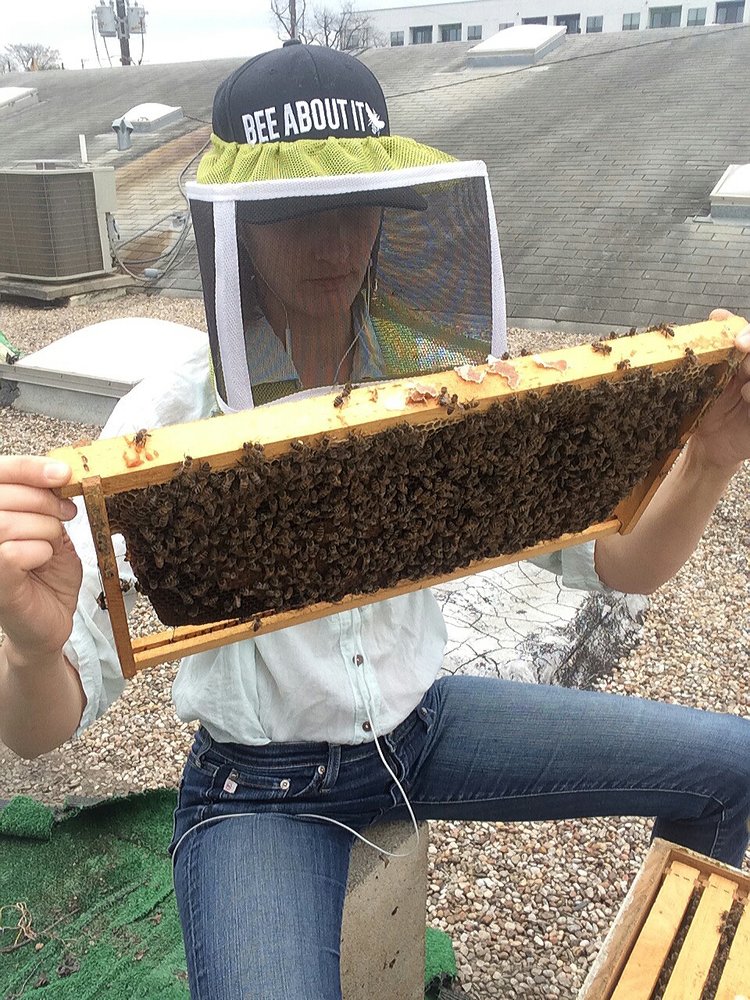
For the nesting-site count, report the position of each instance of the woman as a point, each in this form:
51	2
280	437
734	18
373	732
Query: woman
315	732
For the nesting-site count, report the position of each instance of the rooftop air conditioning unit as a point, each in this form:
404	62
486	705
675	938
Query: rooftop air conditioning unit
53	220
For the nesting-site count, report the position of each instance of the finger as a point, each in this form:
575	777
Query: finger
33	470
19	557
36	501
745	393
29	527
742	340
718	315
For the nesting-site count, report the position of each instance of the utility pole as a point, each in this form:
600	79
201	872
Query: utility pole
292	18
123	33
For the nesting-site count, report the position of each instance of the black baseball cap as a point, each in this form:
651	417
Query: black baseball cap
305	92
299	91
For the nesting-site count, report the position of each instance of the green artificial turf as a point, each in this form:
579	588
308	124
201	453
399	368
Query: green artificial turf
93	889
440	962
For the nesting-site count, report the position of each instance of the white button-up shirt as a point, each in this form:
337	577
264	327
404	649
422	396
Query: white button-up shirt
328	680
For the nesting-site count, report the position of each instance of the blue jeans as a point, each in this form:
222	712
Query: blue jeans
261	889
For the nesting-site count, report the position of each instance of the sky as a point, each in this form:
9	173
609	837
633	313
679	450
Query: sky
176	30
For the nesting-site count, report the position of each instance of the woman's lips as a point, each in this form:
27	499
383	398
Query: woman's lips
330	281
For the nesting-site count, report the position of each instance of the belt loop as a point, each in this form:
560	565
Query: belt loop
206	741
332	766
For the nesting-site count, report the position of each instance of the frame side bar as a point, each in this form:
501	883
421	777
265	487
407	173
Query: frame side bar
93	496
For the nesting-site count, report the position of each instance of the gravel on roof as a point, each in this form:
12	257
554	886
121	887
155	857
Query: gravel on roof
526	905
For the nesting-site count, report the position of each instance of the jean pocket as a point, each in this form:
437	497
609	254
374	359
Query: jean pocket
231	783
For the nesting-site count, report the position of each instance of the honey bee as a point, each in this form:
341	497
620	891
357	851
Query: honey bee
623	365
601	348
227	482
141	437
102	601
251	453
662	328
345	393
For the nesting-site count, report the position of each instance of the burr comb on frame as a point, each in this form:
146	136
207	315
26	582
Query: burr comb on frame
248	523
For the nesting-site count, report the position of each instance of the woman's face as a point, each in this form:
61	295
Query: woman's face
314	265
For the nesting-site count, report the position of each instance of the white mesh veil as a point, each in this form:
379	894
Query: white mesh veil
431	295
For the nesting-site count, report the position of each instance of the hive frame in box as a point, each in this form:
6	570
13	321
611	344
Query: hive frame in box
637	947
104	468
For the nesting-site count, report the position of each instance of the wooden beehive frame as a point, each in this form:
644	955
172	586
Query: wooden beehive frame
636	949
108	467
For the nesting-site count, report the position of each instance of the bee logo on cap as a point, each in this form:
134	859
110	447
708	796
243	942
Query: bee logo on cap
376	124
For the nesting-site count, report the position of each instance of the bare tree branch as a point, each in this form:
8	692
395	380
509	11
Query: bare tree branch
340	27
281	10
31	56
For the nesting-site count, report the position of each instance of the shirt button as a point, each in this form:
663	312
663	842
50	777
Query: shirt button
367	727
358	659
284	784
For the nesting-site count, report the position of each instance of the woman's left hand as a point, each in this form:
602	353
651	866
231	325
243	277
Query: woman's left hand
723	438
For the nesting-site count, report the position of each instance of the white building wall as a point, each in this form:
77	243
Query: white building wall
490	14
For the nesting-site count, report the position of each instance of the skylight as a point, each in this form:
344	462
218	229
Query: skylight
149	117
730	199
521	45
13	98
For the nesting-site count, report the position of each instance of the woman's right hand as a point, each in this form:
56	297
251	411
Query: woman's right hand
40	572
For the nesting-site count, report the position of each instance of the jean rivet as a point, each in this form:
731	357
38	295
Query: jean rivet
321	770
285	783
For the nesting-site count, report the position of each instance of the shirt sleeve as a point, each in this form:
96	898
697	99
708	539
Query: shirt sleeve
574	566
167	398
91	647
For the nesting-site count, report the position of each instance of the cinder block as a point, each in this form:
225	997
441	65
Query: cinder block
383	932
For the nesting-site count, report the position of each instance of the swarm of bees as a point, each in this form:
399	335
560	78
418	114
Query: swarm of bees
362	513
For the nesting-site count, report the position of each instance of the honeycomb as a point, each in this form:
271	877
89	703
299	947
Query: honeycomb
363	513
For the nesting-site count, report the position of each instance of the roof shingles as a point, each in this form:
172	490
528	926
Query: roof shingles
601	164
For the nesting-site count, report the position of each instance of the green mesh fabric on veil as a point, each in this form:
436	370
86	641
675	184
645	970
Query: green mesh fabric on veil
236	163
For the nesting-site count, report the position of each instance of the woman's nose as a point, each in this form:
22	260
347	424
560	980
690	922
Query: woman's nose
333	240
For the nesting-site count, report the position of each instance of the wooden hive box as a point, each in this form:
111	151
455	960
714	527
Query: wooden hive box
252	522
682	933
